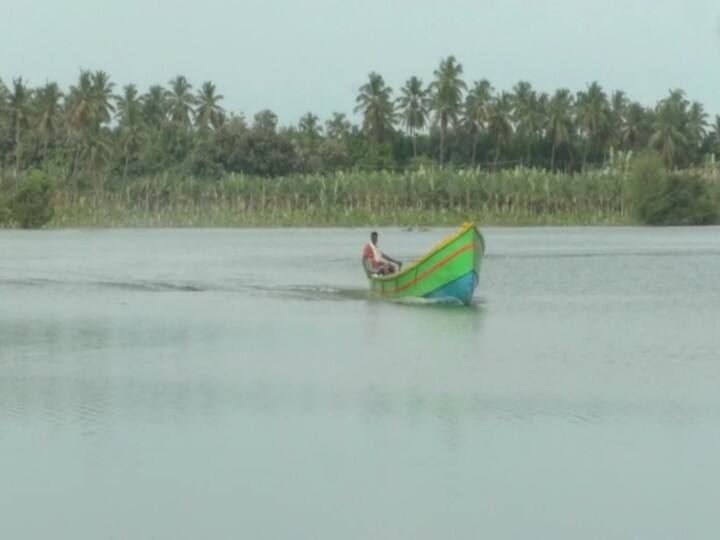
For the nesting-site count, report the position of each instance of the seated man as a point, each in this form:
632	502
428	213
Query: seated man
376	262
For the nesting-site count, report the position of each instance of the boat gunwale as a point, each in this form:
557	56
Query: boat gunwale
465	228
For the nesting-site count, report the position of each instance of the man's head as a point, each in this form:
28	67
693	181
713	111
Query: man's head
374	237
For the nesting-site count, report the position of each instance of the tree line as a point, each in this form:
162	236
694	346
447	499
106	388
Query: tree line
93	132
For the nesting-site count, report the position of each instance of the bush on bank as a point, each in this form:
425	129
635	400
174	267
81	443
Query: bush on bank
662	198
32	206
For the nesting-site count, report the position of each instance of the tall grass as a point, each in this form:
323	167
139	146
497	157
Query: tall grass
423	197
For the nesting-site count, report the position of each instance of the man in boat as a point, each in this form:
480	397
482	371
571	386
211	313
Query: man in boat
375	261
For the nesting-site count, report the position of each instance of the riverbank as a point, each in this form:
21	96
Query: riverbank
111	217
426	197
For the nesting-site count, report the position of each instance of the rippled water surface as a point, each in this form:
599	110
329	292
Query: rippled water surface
188	384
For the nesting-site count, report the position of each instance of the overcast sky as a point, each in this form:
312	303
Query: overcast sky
293	56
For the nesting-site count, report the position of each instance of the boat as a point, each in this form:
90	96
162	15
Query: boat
449	272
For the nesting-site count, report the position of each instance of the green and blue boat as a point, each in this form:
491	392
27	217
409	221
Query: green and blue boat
449	272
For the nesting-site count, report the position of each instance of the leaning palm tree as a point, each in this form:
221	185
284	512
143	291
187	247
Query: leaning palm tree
19	109
208	111
500	125
49	114
559	120
180	101
447	97
414	105
338	127
477	110
375	104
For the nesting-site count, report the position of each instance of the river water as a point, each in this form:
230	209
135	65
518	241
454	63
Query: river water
187	384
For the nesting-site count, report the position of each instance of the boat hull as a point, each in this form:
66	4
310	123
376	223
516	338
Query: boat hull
448	272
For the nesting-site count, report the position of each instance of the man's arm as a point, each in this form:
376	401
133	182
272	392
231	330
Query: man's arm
389	258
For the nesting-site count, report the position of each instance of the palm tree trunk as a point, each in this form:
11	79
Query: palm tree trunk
497	157
474	148
552	157
414	139
17	150
442	142
528	152
125	167
45	148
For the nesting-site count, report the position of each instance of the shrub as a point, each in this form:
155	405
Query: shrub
646	181
682	200
32	206
660	198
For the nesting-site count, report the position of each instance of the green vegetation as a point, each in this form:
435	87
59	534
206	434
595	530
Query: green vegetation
32	206
436	152
662	198
422	197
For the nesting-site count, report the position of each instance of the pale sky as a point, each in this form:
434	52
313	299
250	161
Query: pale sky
294	56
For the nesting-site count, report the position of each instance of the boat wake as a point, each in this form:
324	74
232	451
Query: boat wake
139	285
306	292
296	292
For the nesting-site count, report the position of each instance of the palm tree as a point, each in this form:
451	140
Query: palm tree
80	106
19	108
414	105
559	120
180	101
310	127
338	127
208	112
80	103
593	117
49	112
696	124
447	97
500	125
618	118
528	114
130	109
477	110
96	150
155	106
634	126
715	135
129	106
102	91
667	133
4	95
375	103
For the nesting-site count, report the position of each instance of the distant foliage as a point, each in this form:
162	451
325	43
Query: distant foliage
100	142
32	206
662	198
